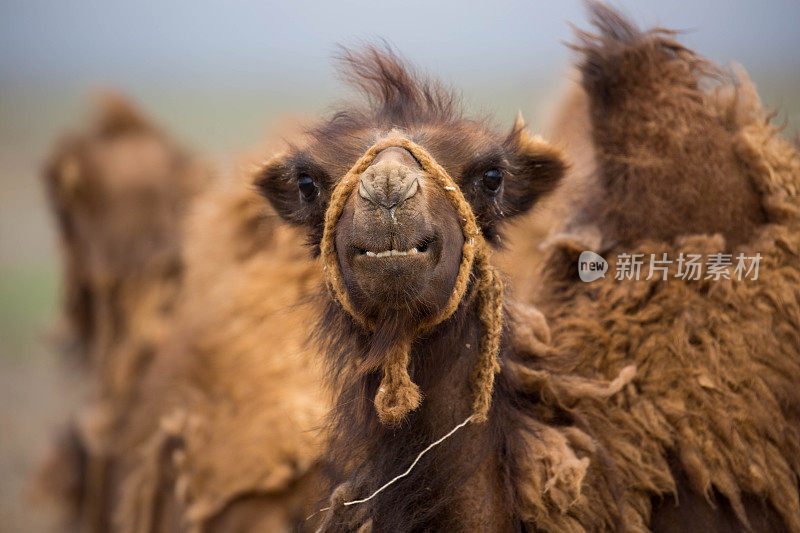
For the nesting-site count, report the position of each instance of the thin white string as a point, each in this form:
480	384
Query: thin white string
410	468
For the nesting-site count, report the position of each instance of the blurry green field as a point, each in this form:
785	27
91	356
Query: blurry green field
29	297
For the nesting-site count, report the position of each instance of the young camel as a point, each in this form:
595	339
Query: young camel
559	449
119	191
468	482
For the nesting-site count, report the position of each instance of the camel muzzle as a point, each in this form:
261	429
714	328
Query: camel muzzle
397	394
391	179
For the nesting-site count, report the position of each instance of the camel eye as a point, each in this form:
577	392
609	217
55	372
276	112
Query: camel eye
308	189
492	180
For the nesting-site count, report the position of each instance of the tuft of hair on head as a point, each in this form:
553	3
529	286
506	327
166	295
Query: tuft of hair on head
396	92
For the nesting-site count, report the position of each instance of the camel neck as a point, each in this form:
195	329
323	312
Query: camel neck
453	479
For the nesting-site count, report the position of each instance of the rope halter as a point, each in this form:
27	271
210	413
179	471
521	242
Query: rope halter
397	394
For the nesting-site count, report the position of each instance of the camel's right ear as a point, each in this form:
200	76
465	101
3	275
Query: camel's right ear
538	168
295	188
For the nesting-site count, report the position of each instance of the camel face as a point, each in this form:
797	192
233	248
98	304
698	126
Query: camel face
399	240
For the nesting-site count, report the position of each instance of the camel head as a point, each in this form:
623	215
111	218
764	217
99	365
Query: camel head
117	192
399	240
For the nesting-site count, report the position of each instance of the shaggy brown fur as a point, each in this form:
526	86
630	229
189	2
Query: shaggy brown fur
641	101
192	425
236	390
225	425
707	436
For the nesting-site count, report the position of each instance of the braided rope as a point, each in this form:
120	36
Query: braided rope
398	394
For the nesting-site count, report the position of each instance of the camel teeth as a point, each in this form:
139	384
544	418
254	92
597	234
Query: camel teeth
393	253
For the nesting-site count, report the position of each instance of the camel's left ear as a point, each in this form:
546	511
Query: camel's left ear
536	166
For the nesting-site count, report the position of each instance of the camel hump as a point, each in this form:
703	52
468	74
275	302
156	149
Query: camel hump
665	161
118	187
115	114
622	63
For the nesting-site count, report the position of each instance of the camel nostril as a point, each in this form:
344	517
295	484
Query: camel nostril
391	179
422	247
388	190
366	191
410	189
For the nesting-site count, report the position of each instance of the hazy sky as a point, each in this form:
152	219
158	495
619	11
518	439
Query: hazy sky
146	41
218	75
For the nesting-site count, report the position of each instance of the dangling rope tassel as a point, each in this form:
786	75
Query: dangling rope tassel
398	395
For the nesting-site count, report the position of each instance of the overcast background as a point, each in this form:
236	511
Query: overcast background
240	63
216	74
154	41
